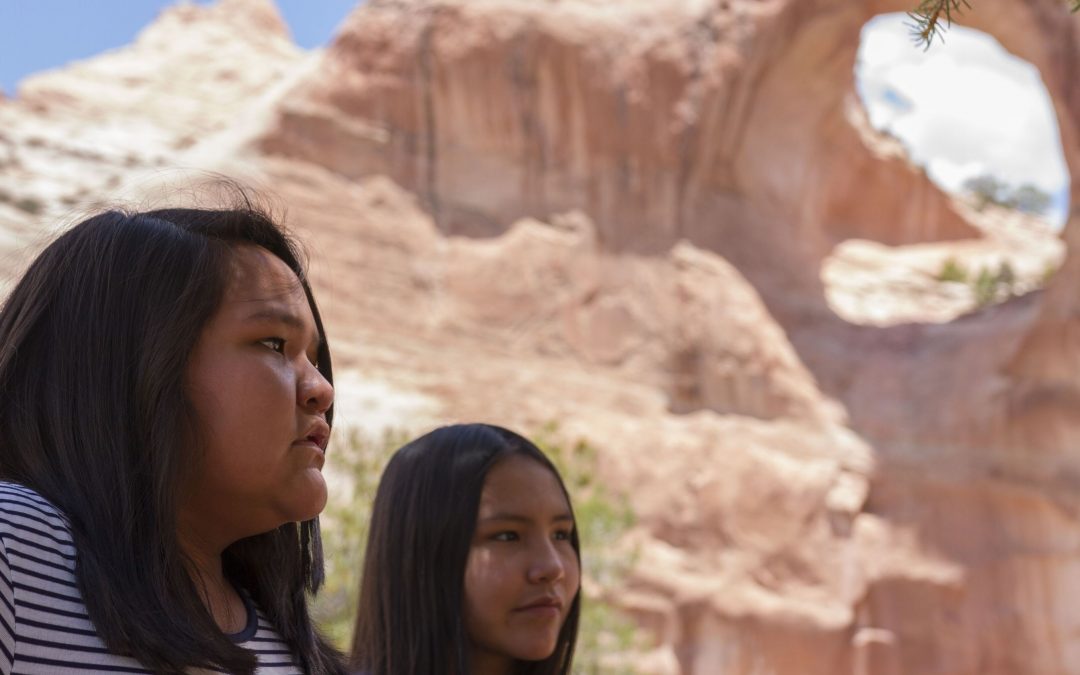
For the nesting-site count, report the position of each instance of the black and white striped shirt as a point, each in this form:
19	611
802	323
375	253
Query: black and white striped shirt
44	627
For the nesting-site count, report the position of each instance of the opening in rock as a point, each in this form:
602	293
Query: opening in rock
980	123
979	119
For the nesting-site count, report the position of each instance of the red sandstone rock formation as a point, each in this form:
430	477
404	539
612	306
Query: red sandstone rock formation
663	121
614	214
78	133
734	126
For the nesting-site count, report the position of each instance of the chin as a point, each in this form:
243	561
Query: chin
536	651
312	512
308	508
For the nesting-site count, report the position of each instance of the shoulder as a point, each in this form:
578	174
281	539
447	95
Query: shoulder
29	521
16	498
20	504
48	622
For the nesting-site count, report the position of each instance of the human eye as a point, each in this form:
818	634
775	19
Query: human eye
505	535
563	534
274	343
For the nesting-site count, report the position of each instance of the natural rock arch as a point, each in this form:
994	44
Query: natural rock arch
727	125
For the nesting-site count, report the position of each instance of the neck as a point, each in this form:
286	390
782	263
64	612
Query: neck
207	573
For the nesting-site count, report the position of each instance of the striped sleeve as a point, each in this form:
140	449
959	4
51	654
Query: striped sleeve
45	628
7	611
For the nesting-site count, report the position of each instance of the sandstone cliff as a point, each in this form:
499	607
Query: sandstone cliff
663	121
75	135
733	126
618	215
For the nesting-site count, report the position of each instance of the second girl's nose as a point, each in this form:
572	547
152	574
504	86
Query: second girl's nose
547	565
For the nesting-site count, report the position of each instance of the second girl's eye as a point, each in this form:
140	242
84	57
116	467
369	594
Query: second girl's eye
274	343
562	535
505	536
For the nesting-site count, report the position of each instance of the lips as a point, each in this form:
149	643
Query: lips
547	602
318	434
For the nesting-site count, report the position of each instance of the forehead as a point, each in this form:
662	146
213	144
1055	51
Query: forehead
522	485
258	275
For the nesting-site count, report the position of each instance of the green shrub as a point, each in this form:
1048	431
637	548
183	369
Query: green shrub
984	288
1049	270
1030	199
952	271
603	517
1006	277
360	461
990	287
986	189
1027	198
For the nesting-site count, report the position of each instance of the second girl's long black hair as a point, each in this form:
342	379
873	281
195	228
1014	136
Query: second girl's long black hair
94	345
410	619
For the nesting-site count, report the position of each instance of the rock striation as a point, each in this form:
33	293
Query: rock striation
710	122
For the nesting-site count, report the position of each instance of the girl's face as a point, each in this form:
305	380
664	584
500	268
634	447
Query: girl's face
522	573
262	404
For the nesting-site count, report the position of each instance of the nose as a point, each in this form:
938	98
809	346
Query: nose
315	394
547	565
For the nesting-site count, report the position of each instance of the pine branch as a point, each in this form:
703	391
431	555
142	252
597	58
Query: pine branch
927	19
932	17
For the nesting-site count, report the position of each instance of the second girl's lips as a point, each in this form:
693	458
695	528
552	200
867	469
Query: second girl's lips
317	434
546	603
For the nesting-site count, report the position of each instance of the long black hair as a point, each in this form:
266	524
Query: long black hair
410	619
94	345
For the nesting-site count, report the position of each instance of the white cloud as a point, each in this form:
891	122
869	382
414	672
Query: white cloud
963	107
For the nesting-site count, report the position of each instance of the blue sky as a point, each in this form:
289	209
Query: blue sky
41	34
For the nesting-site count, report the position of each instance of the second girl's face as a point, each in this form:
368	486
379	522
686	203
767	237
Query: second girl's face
262	404
522	573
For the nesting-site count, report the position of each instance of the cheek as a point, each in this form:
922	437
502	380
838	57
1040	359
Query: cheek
478	571
246	412
573	573
244	400
258	382
488	583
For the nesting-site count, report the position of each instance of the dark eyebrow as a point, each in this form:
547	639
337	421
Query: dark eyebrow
562	517
278	315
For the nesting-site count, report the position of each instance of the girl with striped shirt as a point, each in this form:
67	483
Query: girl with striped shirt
165	403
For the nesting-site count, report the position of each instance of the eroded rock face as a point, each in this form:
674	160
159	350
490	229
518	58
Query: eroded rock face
613	215
190	72
687	323
663	121
80	134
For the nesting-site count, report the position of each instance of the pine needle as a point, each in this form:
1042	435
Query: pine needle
932	17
